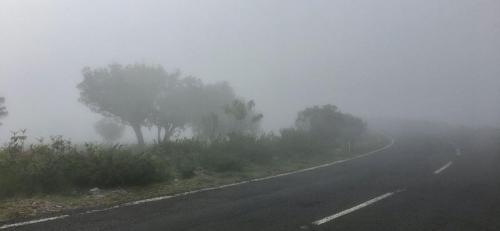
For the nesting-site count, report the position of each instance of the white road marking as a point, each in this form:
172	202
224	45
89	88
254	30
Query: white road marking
443	168
200	190
33	222
360	206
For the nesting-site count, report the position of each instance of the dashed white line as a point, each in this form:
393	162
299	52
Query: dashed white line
357	207
443	168
33	222
200	190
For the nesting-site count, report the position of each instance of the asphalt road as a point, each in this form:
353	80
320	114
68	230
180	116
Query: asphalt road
420	183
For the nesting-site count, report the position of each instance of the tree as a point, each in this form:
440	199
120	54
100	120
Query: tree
237	117
207	128
176	105
351	127
3	109
328	124
109	130
209	119
127	93
212	110
242	117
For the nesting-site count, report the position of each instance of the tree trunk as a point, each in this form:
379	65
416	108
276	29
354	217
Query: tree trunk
168	133
158	135
138	134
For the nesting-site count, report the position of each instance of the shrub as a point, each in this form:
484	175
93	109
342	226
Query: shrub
57	166
182	155
297	143
246	147
114	166
222	162
227	154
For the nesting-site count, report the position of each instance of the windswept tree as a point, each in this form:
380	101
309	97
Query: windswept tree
126	93
109	129
3	109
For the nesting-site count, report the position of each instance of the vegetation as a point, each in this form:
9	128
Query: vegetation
140	95
226	143
127	92
328	124
60	166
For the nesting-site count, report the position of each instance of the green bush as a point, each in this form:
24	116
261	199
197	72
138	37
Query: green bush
245	147
183	155
114	166
295	143
57	166
227	154
222	162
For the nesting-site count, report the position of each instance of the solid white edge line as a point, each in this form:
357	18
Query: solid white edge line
138	202
443	168
357	207
33	222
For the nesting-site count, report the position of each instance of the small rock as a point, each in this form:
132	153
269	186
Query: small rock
95	191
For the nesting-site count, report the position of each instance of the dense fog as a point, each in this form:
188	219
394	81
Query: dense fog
429	60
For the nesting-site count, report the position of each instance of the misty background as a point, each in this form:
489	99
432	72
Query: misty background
433	60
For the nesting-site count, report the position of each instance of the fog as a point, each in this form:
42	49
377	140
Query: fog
433	60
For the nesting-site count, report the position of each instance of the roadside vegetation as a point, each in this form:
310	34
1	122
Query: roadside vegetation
56	175
57	166
225	143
